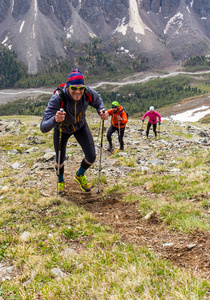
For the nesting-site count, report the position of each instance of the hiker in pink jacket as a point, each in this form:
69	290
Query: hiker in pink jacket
152	114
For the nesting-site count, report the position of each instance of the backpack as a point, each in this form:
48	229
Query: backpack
125	112
59	91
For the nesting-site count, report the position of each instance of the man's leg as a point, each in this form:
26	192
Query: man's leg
120	137
85	139
110	131
64	140
148	128
155	129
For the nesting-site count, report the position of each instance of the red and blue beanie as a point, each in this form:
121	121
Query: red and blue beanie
75	78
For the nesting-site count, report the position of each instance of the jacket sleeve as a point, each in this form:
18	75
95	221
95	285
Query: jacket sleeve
109	112
96	101
144	116
159	116
48	121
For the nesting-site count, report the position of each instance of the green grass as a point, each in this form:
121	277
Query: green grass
96	264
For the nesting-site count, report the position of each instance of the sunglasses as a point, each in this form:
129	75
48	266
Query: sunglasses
80	88
114	106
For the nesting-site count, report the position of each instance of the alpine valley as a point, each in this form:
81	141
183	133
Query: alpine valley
165	32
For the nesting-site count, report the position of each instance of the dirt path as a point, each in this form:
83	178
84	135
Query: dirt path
188	251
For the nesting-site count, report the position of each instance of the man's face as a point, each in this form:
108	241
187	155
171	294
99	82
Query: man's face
115	109
76	91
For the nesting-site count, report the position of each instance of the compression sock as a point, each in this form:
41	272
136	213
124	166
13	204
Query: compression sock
81	171
60	178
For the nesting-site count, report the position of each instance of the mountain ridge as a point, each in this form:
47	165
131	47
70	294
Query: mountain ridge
166	32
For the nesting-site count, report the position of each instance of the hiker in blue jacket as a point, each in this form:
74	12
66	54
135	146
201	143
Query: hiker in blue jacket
74	98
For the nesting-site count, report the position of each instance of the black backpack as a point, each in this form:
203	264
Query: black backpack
124	111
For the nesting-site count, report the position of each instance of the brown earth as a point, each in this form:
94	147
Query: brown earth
190	252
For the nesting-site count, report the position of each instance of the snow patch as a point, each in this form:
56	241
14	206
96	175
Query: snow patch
21	26
192	115
192	3
121	28
92	35
5	40
203	18
79	4
13	2
70	31
137	40
175	20
188	9
33	32
35	9
135	20
52	8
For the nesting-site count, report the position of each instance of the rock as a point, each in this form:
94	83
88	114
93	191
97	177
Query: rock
13	151
5	189
25	236
49	156
6	272
157	162
68	251
175	170
148	185
149	215
16	165
167	244
33	149
203	134
190	246
57	272
34	140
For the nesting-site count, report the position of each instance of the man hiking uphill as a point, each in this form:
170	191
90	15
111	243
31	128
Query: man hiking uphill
119	120
74	98
152	114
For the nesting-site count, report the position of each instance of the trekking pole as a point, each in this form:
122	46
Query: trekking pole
101	147
159	130
119	127
59	150
99	128
141	130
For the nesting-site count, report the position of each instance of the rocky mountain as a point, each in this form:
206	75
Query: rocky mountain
165	31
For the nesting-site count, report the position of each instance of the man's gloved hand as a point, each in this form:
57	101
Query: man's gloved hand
119	118
143	120
104	114
159	122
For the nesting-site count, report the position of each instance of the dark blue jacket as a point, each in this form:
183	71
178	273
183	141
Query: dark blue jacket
75	111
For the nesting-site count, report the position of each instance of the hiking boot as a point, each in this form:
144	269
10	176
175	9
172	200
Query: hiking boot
109	148
121	147
61	187
84	185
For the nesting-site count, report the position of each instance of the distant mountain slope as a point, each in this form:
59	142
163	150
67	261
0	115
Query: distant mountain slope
164	31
